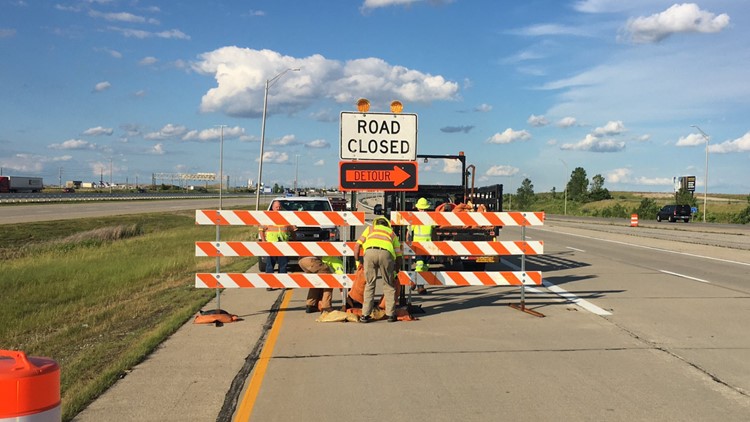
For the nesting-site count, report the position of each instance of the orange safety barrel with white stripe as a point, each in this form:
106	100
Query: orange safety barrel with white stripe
29	388
466	248
470	219
462	278
279	218
633	220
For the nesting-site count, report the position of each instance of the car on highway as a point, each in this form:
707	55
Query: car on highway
673	213
307	233
68	190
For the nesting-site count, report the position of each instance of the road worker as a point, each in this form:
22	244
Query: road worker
282	233
319	299
421	233
382	255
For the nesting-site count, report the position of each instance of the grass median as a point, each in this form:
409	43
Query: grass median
99	295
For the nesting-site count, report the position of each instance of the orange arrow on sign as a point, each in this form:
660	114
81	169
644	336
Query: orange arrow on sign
397	176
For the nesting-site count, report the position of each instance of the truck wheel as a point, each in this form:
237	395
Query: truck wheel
658	218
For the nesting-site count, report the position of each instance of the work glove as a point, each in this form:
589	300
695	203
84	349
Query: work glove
357	264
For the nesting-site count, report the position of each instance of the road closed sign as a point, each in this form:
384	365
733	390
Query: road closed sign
378	136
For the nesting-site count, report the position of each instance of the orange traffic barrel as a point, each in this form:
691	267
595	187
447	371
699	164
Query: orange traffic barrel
29	387
633	220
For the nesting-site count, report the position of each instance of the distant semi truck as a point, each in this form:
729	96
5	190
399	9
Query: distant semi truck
20	184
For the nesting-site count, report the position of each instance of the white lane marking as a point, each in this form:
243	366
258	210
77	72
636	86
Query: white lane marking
574	249
684	276
570	297
652	248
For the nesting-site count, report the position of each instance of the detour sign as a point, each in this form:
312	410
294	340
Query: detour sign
378	176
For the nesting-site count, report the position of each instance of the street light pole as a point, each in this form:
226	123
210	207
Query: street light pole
565	206
296	171
221	165
269	82
705	178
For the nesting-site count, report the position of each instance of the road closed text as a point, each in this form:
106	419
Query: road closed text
382	146
378	137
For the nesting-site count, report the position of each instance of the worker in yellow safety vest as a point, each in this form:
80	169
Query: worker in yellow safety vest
283	233
319	299
382	255
421	233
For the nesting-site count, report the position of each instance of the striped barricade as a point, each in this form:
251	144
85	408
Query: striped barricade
279	218
470	219
461	278
247	249
242	248
343	249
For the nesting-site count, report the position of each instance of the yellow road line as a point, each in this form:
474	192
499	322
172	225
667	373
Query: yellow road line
245	408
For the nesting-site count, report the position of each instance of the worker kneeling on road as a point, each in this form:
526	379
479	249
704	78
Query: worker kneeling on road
319	299
382	256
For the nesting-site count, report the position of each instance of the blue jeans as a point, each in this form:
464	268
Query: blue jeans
271	262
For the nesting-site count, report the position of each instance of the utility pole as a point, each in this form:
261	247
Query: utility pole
110	174
705	179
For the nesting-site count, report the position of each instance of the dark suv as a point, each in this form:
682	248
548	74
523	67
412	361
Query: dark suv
673	213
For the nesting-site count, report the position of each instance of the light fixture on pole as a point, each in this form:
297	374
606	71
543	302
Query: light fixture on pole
705	179
269	82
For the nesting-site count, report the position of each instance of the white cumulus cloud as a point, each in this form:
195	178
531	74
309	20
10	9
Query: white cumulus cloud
318	143
509	135
168	131
501	171
595	144
741	144
686	17
241	75
102	86
98	131
78	144
691	140
537	121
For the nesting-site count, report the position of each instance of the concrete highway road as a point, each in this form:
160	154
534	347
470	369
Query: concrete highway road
10	214
635	329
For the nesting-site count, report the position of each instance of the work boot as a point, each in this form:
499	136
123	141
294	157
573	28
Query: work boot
311	309
365	319
392	318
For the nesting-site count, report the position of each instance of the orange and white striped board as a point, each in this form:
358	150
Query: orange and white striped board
308	281
274	248
279	218
438	248
278	281
461	278
471	219
466	248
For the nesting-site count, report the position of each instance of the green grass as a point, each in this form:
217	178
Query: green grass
722	208
98	295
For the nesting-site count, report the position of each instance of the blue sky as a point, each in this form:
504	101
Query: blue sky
526	89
